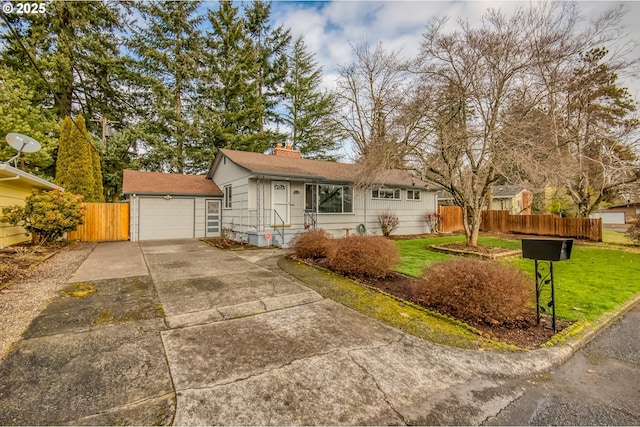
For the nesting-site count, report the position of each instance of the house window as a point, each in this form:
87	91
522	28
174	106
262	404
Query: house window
413	194
227	196
329	198
386	193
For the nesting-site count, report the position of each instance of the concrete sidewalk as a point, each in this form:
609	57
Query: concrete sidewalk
180	332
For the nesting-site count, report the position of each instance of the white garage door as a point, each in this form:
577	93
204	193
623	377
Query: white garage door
610	217
166	219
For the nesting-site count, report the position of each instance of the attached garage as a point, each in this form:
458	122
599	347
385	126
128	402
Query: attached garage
172	206
162	218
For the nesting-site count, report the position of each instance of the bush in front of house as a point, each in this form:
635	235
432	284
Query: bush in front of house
476	290
633	233
46	215
311	244
388	222
364	256
433	221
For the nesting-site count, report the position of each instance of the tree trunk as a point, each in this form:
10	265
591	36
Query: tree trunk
471	222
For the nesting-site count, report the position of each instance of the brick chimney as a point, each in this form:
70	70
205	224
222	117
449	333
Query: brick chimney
288	151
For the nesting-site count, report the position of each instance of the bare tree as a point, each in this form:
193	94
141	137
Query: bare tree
372	95
470	79
501	102
583	128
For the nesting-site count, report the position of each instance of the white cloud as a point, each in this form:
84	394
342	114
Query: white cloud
332	27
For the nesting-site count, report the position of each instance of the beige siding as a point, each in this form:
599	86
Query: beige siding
11	194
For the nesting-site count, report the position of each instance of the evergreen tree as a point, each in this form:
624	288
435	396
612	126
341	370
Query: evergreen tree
231	105
168	47
78	165
599	124
309	110
77	47
19	114
270	45
116	155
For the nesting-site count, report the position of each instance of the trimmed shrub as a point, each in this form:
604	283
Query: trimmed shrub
475	290
364	256
388	222
312	244
47	215
633	233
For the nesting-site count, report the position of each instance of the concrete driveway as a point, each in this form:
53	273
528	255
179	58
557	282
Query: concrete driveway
179	332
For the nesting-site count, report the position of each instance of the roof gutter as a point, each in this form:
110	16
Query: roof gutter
284	175
32	179
171	193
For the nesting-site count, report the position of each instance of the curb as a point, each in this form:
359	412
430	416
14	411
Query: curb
554	355
601	324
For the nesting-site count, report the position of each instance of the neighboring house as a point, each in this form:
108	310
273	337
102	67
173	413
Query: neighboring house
619	214
15	186
510	198
282	194
171	206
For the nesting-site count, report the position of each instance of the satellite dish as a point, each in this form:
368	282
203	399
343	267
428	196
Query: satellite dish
22	143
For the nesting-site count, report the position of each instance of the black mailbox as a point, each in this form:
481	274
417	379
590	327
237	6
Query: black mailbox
547	249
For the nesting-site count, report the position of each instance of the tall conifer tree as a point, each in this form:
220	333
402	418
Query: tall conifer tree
231	104
78	164
270	45
168	47
77	47
309	109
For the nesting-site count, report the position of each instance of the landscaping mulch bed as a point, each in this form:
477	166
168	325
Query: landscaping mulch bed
482	251
17	261
524	334
228	244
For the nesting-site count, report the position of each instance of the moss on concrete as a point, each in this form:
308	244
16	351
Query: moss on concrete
563	335
407	317
79	290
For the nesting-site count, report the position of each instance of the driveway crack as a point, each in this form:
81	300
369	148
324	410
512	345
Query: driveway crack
375	381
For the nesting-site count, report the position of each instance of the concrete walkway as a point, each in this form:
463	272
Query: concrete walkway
179	332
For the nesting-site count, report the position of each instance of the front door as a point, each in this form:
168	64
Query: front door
280	201
213	218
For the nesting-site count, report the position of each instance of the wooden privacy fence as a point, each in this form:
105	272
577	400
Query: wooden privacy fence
542	225
450	219
103	222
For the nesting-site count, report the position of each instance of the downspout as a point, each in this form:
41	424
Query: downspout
258	205
364	195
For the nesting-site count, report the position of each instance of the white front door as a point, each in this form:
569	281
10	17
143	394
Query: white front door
280	201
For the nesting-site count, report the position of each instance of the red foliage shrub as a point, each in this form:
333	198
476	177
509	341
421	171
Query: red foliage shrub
475	290
388	222
311	244
364	256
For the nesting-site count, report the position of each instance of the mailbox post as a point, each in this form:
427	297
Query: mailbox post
544	252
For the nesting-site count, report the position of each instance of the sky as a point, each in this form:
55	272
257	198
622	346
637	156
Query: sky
331	28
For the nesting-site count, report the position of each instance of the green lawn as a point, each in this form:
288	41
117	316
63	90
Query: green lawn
594	281
615	237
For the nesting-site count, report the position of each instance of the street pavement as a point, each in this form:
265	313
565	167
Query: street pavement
178	332
600	385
